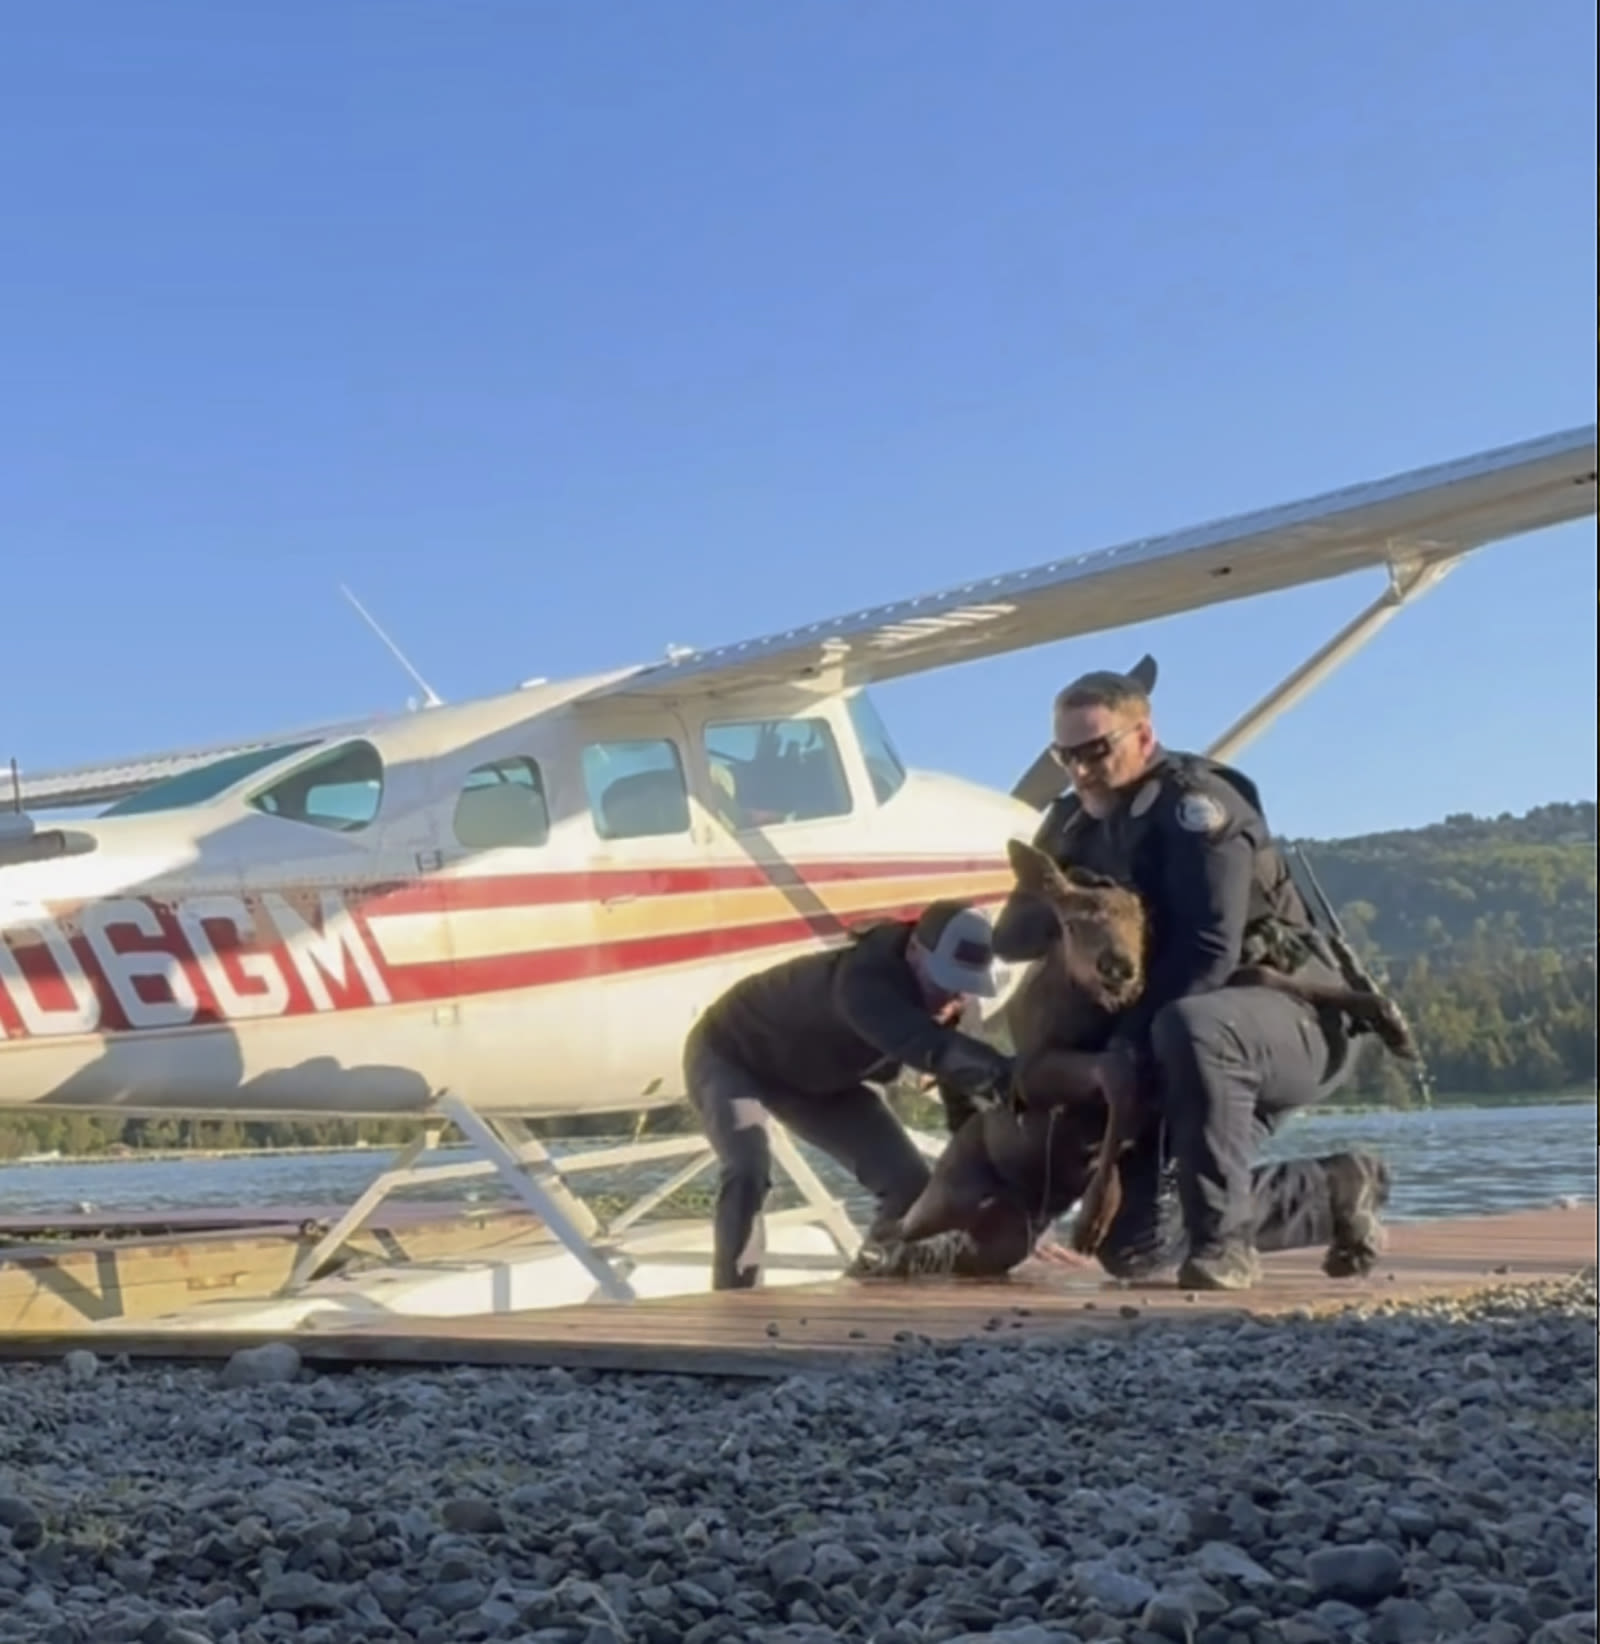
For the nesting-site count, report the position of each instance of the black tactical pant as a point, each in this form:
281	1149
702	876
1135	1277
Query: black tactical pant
1231	1066
854	1127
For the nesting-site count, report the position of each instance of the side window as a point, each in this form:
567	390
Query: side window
883	764
765	772
340	790
636	789
502	805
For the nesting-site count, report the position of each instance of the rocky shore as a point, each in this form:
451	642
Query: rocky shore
1411	1474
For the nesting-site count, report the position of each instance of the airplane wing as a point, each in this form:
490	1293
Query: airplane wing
1425	516
1428	515
86	785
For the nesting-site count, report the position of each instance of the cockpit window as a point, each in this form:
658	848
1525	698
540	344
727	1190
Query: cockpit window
340	791
883	763
203	783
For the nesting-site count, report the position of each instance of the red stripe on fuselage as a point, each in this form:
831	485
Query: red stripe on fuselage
443	894
505	973
434	980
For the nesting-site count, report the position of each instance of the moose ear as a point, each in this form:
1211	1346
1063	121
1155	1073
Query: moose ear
1034	869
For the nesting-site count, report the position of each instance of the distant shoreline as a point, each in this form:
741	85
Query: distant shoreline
174	1155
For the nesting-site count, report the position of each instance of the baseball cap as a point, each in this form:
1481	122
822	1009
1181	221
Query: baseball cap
958	943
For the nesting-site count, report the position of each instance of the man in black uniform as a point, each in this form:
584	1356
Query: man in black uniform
1224	1065
796	1043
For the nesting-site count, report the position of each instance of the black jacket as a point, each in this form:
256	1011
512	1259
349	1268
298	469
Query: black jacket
823	1022
1192	840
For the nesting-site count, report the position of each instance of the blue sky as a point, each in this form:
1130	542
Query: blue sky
563	333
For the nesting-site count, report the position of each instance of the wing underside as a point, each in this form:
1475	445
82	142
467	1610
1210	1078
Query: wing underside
1407	522
1424	517
105	784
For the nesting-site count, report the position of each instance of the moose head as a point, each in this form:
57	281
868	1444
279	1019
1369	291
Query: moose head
1104	932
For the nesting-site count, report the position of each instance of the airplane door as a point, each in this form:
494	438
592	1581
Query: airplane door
511	891
344	1019
651	898
788	837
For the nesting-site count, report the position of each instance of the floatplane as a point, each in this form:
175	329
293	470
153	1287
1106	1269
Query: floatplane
513	908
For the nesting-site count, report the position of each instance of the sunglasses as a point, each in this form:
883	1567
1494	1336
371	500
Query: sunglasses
1094	752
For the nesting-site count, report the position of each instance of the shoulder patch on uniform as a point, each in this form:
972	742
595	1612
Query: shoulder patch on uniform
1200	813
1144	799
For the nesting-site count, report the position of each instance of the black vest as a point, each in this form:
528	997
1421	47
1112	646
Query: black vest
1124	846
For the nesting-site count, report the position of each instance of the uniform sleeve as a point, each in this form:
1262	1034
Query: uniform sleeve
879	1011
1207	861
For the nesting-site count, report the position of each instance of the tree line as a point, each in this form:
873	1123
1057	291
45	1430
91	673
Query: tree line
1482	928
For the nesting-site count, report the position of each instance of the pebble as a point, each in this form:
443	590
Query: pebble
1394	1474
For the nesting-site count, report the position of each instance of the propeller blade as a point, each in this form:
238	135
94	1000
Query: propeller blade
1042	780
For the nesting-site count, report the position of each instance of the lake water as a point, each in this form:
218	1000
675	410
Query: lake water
1455	1161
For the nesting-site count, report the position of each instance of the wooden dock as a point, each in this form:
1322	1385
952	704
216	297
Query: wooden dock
66	1272
830	1325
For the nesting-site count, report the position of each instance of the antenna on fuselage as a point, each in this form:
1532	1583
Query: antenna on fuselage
431	698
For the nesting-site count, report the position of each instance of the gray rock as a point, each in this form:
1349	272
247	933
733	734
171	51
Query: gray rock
1417	1523
272	1363
1008	1490
299	1591
80	1366
1403	1621
23	1520
468	1516
1112	1589
1362	1574
1171	1615
789	1561
1219	1560
833	1565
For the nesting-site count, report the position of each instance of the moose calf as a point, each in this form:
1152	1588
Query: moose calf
1008	1173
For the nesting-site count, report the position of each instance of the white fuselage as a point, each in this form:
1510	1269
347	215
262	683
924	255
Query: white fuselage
462	901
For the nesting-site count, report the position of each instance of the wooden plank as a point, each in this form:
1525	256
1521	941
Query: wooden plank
79	1282
780	1331
392	1214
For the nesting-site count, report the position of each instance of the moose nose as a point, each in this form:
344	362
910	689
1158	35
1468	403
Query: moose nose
1114	968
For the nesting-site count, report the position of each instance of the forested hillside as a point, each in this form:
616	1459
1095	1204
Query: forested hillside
1484	930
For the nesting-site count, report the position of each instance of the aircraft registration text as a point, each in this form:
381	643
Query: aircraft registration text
135	963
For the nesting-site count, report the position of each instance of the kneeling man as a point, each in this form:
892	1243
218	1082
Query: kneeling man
798	1043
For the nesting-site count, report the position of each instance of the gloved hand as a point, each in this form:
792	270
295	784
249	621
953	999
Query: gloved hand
976	1069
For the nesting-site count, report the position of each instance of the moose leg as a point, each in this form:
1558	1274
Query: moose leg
1146	1235
964	1224
963	1179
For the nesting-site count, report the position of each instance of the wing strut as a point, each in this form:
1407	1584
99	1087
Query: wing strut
1404	587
